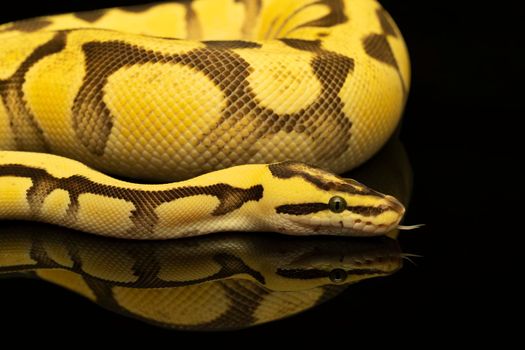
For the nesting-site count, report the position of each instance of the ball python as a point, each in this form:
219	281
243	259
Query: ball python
231	98
212	282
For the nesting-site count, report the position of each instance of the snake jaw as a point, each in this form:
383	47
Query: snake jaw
344	227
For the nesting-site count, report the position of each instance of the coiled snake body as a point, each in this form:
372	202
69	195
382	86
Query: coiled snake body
171	91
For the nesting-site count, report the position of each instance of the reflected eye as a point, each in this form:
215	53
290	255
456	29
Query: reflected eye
337	204
337	275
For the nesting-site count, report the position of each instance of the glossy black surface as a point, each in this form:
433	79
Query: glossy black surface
460	94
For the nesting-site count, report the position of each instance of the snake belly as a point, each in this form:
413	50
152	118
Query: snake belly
170	91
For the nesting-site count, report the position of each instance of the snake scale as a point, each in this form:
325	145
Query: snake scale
231	98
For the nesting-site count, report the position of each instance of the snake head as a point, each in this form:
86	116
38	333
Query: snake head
309	200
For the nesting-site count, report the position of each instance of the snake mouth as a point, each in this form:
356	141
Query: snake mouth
346	226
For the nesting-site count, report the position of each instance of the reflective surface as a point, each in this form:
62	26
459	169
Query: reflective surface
215	282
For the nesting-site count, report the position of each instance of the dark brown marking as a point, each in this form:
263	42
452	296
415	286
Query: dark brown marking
92	120
301	209
22	122
145	202
387	24
378	47
228	71
28	25
301	44
90	16
320	178
232	44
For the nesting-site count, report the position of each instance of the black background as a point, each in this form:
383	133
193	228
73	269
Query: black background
461	113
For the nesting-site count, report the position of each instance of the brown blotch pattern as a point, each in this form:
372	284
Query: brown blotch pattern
93	121
145	202
22	122
376	45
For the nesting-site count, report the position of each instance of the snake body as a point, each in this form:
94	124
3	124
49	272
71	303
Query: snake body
172	91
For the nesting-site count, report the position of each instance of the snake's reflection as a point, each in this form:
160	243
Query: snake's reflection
214	282
219	281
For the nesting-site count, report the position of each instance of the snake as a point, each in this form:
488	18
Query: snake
229	115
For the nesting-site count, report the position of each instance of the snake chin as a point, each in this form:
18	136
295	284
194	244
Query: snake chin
312	225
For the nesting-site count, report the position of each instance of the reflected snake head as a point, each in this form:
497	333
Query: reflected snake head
320	261
308	200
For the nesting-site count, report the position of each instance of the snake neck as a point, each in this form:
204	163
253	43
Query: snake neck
64	192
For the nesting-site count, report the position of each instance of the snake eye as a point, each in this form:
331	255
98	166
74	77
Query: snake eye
337	204
338	275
